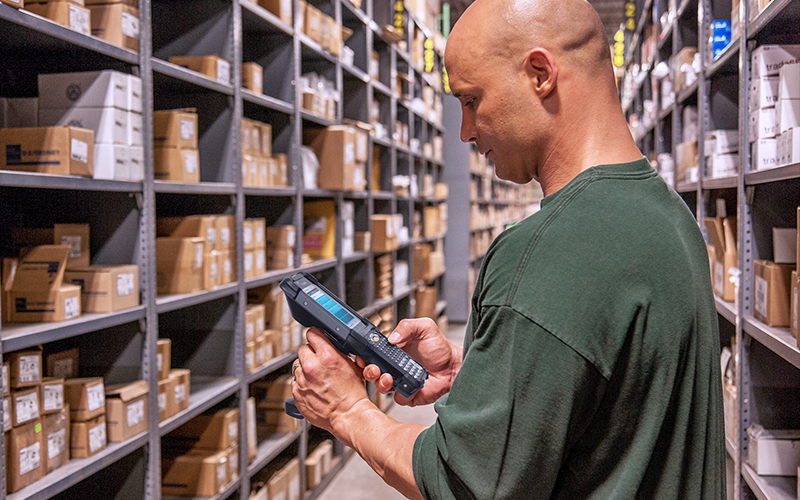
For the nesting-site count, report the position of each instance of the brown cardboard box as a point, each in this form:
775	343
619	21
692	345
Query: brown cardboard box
253	77
88	437
281	237
76	236
37	306
318	463
384	237
772	288
63	364
25	462
226	233
211	272
795	305
9	270
292	469
106	288
252	438
166	404
218	431
280	258
686	158
335	147
52	395
117	24
266	138
260	232
179	264
228	267
26	406
86	398
175	128
281	8
233	463
48	150
25	367
72	16
126	410
212	66
685	56
180	396
247	234
163	358
251	315
283	170
421	270
319	233
250	356
260	255
313	22
249	264
278	485
426	302
193	226
56	439
176	164
6	382
195	474
431	221
14	3
723	236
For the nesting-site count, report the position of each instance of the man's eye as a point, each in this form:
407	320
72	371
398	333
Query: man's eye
469	103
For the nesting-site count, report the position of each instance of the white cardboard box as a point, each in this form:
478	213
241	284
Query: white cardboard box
135	124
787	114
137	163
91	89
789	147
789	81
773	452
763	92
110	125
19	112
724	165
767	60
765	154
112	162
720	142
134	94
762	124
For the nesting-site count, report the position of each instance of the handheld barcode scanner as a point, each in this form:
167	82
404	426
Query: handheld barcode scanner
311	304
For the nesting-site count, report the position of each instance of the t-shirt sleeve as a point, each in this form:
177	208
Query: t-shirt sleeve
519	402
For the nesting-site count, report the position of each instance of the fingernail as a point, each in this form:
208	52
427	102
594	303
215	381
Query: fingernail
394	337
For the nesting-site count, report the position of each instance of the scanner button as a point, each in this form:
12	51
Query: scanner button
376	338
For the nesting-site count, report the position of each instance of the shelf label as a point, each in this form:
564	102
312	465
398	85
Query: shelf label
97	437
30	458
399	16
761	296
56	443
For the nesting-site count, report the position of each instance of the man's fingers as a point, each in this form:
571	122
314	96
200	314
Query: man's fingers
385	383
371	373
317	339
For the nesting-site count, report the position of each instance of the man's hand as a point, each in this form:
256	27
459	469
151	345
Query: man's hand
326	384
423	340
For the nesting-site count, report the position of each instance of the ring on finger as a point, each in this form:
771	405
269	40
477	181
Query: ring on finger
295	366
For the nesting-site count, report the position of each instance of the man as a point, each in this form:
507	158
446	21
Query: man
590	367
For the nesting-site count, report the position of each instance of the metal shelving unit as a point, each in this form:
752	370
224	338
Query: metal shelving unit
239	31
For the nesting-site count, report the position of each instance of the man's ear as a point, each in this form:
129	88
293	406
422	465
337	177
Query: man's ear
542	71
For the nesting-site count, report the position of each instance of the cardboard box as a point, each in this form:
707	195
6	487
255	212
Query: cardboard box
17	112
163	358
762	124
126	410
112	162
25	368
52	395
7	274
319	229
179	264
228	259
14	3
281	237
281	8
134	102
335	146
212	66
318	464
278	485
312	24
136	154
226	234
38	306
193	226
722	232
86	398
6	382
233	463
784	245
25	462
795	305
166	403
280	258
763	92
175	128
384	232
250	422
773	452
26	406
72	16
106	288
56	439
63	364
362	241
48	150
772	284
253	77
88	437
110	125
218	431
765	154
180	396
87	89
176	164
117	24
202	475
292	469
426	302
789	82
787	115
767	60
76	236
250	356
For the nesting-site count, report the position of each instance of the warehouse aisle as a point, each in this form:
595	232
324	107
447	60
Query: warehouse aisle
357	481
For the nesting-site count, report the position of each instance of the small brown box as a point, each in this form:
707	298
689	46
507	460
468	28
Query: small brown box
88	437
253	77
166	404
249	264
233	463
252	439
72	16
217	431
163	358
86	398
278	484
50	150
126	410
226	234
63	364
76	236
211	66
25	460
106	289
281	237
175	128
259	232
176	164
180	395
426	302
117	24
52	396
292	469
25	367
26	406
362	241
772	289
250	356
281	8
195	474
179	264
280	258
56	439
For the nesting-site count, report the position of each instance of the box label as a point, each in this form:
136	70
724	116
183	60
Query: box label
261	355
74	243
79	151
187	130
27	407
222	474
79	20
97	437
233	430
250	360
226	236
260	324
228	267
136	413
96	397
794	308
214	270
53	397
248	261
211	235
294	489
28	369
124	284
261	260
130	25
761	296
6	414
30	458
234	461
190	159
198	256
223	71
56	443
72	308
63	368
159	361
180	393
250	330
248	235
162	401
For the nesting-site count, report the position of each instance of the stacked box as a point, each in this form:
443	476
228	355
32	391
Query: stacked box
126	410
318	464
212	66
340	167
385	232
270	413
721	230
62	150
70	13
281	8
280	245
260	167
722	153
175	140
383	276
253	77
348	228
426	297
38	291
87	404
105	289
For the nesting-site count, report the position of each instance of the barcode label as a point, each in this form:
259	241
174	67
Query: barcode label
96	397
72	308
248	235
190	159
79	20
56	443
74	243
162	402
226	235
187	130
6	413
761	296
719	277
79	151
248	261
53	397
233	430
180	393
5	379
198	256
136	413
97	437
223	71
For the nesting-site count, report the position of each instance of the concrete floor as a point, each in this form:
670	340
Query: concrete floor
357	481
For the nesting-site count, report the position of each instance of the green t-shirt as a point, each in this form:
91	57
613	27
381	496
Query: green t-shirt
591	359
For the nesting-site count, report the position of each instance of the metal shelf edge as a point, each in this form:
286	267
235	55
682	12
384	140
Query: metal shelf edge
269	449
778	340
